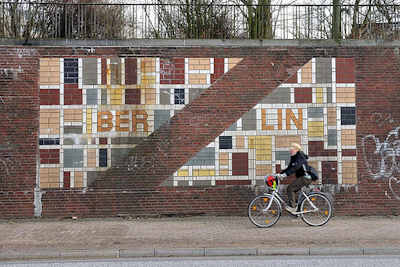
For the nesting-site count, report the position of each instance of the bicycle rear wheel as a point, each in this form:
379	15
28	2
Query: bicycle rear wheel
323	213
261	217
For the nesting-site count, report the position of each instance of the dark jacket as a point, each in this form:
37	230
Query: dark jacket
296	164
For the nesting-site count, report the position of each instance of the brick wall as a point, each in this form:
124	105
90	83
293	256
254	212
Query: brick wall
193	130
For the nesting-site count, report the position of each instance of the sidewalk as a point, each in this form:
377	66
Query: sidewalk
195	236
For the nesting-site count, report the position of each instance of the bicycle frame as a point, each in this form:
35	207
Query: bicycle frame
275	194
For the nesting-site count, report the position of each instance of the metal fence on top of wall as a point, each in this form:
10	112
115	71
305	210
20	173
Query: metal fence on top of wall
176	21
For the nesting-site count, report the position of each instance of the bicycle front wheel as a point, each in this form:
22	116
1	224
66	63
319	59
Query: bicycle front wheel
260	214
319	212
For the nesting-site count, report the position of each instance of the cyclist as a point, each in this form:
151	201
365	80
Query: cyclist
297	159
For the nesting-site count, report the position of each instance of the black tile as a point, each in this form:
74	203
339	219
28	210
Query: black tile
103	157
70	70
49	141
179	95
348	115
225	142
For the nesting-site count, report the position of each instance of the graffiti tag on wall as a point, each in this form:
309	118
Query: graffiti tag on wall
382	158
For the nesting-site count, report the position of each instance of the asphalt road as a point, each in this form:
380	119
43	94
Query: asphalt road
353	261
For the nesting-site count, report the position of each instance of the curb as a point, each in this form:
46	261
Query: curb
187	252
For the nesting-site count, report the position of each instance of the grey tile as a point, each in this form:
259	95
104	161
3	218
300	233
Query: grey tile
73	158
72	130
104	96
329	94
282	155
165	97
115	66
205	157
194	93
323	70
249	120
183	183
118	155
332	137
280	95
202	183
76	140
90	71
91	96
232	127
160	117
315	112
126	140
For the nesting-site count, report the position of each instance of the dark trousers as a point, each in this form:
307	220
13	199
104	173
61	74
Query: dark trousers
294	187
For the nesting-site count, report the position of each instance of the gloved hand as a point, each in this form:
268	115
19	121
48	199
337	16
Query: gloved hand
281	175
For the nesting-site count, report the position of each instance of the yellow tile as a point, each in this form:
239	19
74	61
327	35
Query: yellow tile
306	73
315	129
72	115
263	169
320	95
349	172
78	179
183	172
239	141
284	141
49	177
232	62
224	172
91	160
199	64
195	78
204	172
263	154
148	65
345	95
348	137
332	117
148	80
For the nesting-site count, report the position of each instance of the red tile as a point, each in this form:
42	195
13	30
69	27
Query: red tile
219	69
49	156
103	140
131	71
303	95
349	152
240	164
132	96
49	97
329	172
72	96
172	71
103	71
67	179
316	149
345	70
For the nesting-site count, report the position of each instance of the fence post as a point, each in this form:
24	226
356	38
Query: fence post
336	21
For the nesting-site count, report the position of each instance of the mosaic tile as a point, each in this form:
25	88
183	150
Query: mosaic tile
115	70
283	155
323	70
249	120
232	62
315	112
348	137
91	96
49	121
205	157
349	170
67	180
315	128
49	178
104	141
49	141
49	156
91	177
225	142
103	157
345	95
118	155
239	141
116	96
104	96
73	115
172	71
285	141
179	96
72	130
130	70
194	93
183	173
160	117
279	95
165	96
345	70
49	73
126	140
319	95
306	74
202	182
91	158
348	115
332	116
199	64
263	169
70	70
219	69
204	172
89	71
223	159
49	97
240	164
73	158
329	94
332	137
78	179
148	65
72	96
195	78
303	95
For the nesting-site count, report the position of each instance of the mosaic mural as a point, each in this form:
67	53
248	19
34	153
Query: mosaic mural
94	110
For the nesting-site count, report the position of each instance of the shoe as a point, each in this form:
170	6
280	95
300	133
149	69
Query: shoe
290	209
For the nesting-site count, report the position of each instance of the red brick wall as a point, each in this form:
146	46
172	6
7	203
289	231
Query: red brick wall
138	191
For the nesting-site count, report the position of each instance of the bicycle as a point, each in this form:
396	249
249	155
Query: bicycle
314	208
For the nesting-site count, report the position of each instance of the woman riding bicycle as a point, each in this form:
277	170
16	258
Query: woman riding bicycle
297	160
